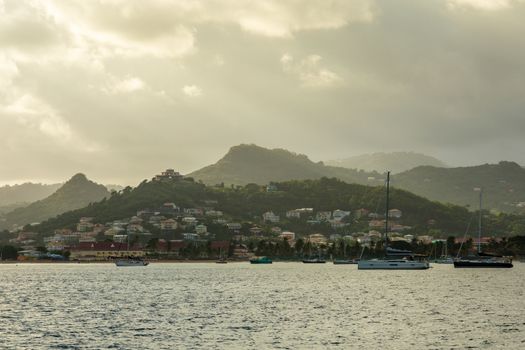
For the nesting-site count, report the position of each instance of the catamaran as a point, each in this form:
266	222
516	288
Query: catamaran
395	259
483	259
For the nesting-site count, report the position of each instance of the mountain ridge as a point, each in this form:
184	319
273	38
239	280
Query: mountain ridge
75	193
396	162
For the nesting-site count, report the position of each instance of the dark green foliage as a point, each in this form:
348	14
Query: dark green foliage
8	252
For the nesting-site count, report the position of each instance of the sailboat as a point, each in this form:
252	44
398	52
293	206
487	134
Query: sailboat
444	258
222	260
345	261
313	260
483	259
395	259
130	260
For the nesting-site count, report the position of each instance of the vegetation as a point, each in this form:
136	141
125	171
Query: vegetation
503	183
75	193
396	162
246	204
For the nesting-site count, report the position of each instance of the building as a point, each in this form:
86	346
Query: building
104	251
317	238
293	214
168	225
169	174
339	214
194	211
234	226
323	215
269	216
395	213
190	236
290	236
201	229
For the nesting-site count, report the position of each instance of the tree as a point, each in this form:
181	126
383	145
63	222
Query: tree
8	252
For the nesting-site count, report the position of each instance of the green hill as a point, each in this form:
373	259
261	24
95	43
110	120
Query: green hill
245	164
503	185
25	193
396	162
247	203
75	193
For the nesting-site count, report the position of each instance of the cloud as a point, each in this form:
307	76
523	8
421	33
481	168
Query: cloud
192	91
310	72
33	113
127	85
481	4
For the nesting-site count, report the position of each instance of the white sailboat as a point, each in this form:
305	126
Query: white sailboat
401	260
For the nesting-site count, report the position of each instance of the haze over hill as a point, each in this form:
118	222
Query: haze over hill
245	164
75	193
396	162
503	183
25	193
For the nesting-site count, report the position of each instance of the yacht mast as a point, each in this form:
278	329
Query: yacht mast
479	223
387	204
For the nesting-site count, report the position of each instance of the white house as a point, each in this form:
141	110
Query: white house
271	217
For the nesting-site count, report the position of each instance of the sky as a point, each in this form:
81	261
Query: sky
121	90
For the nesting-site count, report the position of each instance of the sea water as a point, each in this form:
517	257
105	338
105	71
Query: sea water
243	306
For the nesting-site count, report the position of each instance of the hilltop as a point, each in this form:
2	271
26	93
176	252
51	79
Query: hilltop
75	193
244	164
396	162
503	183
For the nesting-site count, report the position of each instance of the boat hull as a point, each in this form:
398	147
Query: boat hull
392	265
482	264
130	263
345	262
314	262
260	262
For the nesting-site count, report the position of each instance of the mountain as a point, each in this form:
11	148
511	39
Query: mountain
396	162
25	193
245	164
75	193
503	185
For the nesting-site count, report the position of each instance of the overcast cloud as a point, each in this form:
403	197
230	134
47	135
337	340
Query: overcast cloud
120	90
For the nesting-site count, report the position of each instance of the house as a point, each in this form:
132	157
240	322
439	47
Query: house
190	236
395	213
323	215
214	213
270	217
290	236
220	247
234	226
256	230
293	214
189	220
376	223
201	229
317	238
168	225
339	214
271	188
85	225
194	211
